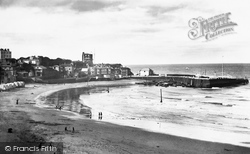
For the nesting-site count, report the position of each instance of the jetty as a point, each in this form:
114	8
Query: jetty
187	80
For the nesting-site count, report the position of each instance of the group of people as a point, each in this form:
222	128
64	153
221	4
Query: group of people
100	116
59	107
73	129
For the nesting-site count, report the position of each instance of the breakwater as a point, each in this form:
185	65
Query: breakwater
193	81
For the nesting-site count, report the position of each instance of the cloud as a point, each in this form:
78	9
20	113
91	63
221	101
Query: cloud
6	3
150	30
76	5
158	10
147	30
29	3
89	5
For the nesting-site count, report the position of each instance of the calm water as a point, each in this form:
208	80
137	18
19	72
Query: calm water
236	70
217	114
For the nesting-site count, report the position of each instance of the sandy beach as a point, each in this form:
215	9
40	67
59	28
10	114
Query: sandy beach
34	122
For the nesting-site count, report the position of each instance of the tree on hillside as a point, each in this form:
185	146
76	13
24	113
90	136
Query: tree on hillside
46	61
27	67
1	71
115	65
79	64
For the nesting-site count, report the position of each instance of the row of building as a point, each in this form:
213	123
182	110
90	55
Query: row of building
10	69
68	70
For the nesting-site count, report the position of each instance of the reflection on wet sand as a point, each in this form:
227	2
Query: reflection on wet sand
69	100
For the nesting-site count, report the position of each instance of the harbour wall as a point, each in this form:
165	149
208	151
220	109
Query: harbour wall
191	81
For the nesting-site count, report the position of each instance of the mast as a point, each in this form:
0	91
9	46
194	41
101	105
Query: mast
222	67
161	95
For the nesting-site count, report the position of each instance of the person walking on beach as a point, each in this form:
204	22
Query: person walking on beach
50	144
73	130
100	115
17	102
40	145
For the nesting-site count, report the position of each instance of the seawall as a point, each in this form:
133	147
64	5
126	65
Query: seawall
196	82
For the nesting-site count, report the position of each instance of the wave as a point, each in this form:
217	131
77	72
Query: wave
241	99
218	103
208	97
172	98
243	127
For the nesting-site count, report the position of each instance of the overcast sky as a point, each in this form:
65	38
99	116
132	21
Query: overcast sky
122	31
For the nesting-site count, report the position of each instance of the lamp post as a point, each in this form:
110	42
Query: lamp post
161	95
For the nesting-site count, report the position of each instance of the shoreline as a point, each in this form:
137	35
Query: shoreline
198	132
91	136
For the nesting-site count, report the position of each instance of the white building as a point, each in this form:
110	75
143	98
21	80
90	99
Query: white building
30	60
146	72
85	70
39	70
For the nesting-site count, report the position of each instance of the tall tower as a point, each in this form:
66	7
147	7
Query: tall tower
5	54
87	58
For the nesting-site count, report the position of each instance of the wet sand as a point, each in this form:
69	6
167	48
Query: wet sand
139	106
33	122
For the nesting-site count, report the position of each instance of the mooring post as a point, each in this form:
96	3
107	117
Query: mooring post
161	94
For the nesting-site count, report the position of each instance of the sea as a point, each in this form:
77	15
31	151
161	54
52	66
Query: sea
210	114
228	69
